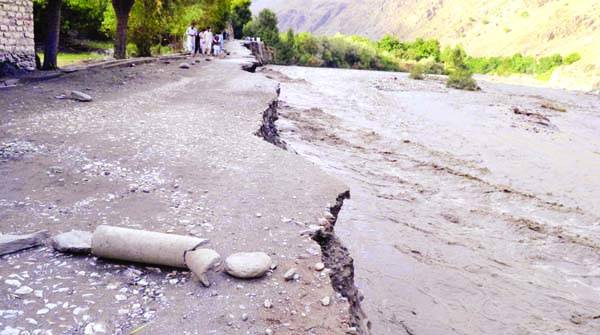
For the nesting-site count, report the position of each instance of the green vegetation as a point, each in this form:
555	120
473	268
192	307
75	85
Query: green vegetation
153	26
421	56
67	58
460	75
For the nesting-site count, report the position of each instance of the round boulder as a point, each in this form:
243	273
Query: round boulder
247	265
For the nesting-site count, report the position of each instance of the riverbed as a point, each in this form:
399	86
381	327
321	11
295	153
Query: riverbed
471	212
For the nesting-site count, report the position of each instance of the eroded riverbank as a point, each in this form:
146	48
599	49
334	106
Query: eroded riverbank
471	213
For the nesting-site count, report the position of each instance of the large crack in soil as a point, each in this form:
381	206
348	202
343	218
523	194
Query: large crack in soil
335	255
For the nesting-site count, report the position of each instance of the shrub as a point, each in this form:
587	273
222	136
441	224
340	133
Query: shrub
572	58
417	72
460	76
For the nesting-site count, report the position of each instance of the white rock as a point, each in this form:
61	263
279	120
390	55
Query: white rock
42	311
94	328
319	266
290	274
13	282
23	290
75	241
326	301
10	331
80	96
268	331
244	317
248	265
268	304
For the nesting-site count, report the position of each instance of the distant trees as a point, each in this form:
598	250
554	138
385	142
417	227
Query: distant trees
265	27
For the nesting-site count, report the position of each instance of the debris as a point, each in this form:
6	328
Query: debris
94	328
268	304
184	66
268	331
200	261
143	246
14	243
319	266
80	96
246	265
534	117
553	106
75	241
326	301
289	275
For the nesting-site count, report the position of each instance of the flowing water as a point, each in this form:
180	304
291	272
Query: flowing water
471	212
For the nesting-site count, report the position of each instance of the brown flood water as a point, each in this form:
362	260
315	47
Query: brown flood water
465	217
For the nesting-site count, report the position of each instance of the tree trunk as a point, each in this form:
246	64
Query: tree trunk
52	35
122	9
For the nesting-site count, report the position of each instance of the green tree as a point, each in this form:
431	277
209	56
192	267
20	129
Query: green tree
146	25
240	15
286	52
265	27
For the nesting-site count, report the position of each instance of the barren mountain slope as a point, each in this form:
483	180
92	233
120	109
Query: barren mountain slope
491	27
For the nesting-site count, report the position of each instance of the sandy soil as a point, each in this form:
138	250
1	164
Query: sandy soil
471	212
170	150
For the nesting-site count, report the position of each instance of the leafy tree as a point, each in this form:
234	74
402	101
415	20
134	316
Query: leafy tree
265	27
286	53
240	15
460	76
146	24
389	43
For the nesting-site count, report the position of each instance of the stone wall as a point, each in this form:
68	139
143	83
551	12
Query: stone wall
17	49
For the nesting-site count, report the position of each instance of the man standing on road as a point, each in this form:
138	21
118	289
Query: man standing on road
191	33
208	40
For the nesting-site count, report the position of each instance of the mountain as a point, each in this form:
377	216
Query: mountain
484	28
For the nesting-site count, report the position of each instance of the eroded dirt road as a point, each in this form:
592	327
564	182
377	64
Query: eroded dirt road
164	149
471	213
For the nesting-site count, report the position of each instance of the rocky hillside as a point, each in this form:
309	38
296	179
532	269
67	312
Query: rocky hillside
492	27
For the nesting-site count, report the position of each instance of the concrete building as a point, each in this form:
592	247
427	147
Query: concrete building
17	48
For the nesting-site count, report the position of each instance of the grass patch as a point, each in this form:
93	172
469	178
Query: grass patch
66	58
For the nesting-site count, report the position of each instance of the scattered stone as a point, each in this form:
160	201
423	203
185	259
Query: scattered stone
319	266
244	317
94	328
201	261
13	282
10	331
268	331
326	301
268	304
75	241
184	66
289	275
42	311
23	290
61	97
352	331
247	265
14	243
80	96
258	215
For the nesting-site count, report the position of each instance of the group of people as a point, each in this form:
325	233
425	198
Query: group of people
204	41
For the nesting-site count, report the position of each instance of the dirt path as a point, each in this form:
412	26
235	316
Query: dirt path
171	150
471	213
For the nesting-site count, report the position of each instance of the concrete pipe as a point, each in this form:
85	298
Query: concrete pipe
143	246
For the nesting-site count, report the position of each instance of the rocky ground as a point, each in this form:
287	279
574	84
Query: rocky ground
170	150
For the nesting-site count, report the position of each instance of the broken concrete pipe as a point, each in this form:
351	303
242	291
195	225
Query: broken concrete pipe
143	246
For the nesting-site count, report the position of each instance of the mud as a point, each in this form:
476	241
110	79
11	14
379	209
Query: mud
466	217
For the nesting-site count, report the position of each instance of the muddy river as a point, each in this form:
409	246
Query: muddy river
471	212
